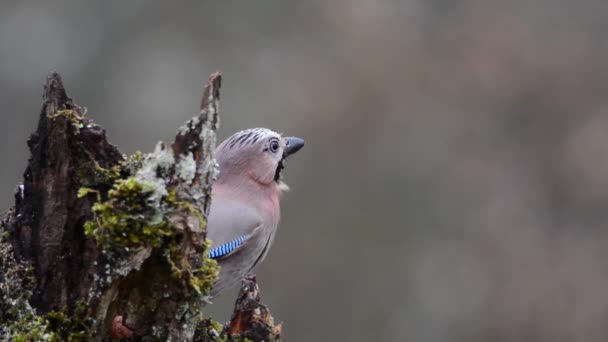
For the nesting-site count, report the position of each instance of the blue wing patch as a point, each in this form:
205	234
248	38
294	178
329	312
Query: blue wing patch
226	248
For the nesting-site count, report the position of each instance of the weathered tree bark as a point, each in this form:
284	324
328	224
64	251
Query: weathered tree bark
100	246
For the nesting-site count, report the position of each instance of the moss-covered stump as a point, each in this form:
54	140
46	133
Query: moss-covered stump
100	246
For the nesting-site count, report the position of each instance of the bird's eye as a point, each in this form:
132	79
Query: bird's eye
274	146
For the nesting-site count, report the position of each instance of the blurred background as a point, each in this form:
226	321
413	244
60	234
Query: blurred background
454	185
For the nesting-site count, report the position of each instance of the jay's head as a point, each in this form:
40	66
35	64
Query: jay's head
258	154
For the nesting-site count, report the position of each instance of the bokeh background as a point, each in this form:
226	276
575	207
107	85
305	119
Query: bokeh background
454	185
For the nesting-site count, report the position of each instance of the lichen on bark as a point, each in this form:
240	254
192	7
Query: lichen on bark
100	245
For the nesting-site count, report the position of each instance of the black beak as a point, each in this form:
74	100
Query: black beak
293	145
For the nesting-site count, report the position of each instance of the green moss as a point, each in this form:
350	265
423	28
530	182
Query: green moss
203	278
16	284
72	115
172	201
68	326
89	173
31	328
143	210
133	163
217	326
86	169
108	175
127	218
210	331
83	192
56	326
19	321
198	278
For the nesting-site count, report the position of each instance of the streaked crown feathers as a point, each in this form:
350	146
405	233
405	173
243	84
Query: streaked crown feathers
248	137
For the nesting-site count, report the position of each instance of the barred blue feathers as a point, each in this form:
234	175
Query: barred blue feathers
226	248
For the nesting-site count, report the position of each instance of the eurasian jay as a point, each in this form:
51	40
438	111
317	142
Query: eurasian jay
245	210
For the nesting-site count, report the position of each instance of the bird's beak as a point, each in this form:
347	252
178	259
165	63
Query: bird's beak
293	145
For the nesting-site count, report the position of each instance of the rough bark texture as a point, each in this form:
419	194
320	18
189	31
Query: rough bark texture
46	228
252	319
99	246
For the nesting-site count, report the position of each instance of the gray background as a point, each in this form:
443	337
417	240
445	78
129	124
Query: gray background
454	184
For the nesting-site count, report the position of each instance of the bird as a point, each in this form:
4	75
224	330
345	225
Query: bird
245	201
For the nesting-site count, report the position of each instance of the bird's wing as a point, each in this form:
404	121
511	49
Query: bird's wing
230	225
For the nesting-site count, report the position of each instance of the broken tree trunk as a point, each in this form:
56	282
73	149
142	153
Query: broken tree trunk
103	247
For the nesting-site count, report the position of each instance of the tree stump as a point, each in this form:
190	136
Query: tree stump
100	246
